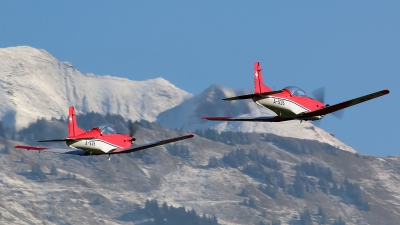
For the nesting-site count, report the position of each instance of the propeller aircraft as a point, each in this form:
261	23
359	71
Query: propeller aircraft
290	103
100	140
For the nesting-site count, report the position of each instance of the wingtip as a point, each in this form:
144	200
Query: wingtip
386	91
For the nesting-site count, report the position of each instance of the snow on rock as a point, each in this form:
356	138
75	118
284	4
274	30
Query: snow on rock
34	84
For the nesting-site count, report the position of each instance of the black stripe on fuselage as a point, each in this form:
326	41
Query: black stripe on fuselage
289	101
109	143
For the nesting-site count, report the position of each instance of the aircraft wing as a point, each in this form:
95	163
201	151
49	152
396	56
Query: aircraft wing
337	107
149	145
53	150
66	139
263	94
248	119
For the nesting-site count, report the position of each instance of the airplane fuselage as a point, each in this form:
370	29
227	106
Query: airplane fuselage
93	146
288	106
95	143
100	140
289	103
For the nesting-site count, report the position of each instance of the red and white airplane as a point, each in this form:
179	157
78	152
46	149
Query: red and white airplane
98	141
290	103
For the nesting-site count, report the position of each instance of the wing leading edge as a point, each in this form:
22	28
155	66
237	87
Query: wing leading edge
342	105
149	145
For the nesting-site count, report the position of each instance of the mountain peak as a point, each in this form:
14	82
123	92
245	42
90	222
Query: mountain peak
54	86
25	52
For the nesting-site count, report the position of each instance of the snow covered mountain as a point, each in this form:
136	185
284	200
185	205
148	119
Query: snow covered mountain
34	84
291	172
188	114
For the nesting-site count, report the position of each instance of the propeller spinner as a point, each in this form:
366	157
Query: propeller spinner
319	94
133	128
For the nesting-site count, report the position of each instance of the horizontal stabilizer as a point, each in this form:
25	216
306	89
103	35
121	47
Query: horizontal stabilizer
26	147
65	139
249	96
248	119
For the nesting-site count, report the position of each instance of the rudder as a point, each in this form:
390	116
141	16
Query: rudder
73	129
259	85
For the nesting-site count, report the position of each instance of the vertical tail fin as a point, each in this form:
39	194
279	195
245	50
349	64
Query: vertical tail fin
73	129
259	85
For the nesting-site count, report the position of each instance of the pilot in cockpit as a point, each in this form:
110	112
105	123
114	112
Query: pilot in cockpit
296	91
106	129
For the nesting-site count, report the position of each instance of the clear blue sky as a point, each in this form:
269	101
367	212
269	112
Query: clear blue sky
350	47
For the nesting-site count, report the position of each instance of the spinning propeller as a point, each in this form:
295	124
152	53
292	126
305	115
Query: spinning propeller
319	94
133	128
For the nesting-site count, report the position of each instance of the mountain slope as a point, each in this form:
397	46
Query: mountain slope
243	178
34	84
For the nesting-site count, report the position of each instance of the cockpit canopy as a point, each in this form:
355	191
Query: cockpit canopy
296	91
106	129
